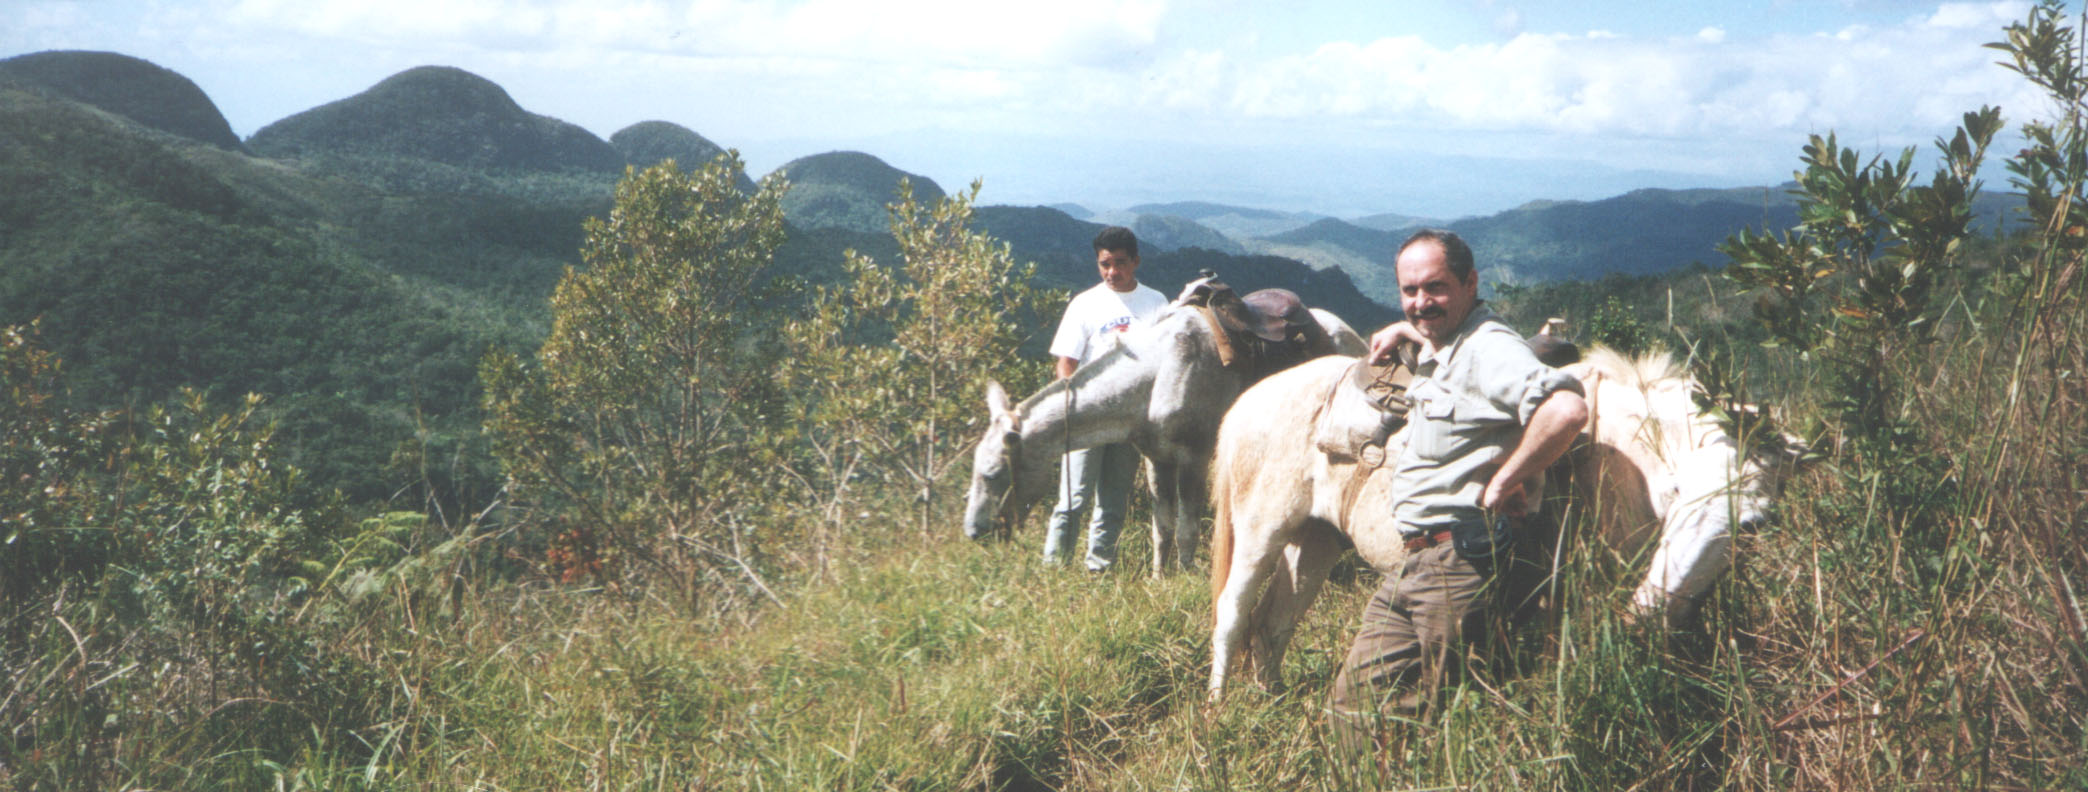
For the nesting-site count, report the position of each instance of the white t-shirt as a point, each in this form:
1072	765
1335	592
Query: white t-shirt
1101	310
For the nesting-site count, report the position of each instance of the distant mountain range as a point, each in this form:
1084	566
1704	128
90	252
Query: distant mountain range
353	260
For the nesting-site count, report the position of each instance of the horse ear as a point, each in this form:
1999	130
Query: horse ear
996	398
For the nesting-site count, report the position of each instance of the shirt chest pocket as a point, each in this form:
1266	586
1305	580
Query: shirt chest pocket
1434	433
1450	423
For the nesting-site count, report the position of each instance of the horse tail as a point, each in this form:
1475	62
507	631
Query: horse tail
1221	528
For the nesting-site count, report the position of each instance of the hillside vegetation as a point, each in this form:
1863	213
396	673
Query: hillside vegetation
724	554
356	282
479	126
128	87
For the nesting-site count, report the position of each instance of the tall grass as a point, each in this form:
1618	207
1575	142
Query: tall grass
1907	623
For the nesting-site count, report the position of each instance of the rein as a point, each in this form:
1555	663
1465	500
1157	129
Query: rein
1014	446
1066	439
1227	355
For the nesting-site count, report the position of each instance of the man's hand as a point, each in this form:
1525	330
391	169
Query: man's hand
1386	341
1505	496
1551	431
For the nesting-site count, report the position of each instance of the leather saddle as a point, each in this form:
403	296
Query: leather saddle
1364	409
1263	331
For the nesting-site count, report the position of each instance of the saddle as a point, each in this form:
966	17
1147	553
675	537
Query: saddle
1262	332
1364	409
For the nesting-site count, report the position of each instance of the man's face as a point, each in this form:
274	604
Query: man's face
1119	269
1435	301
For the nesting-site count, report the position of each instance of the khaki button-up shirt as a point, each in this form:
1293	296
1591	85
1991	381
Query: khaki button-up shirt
1469	401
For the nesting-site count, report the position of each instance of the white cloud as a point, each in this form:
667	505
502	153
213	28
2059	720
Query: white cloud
939	32
1987	17
1905	81
745	70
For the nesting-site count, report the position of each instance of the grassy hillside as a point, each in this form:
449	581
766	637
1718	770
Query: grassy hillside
182	612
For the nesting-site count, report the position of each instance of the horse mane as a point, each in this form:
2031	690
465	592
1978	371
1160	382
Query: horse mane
1086	373
1645	372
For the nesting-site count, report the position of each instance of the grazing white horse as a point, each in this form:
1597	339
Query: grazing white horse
1653	467
1163	389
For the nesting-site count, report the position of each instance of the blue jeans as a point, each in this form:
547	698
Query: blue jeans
1101	477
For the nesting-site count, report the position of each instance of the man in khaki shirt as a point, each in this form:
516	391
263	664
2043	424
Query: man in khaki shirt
1485	419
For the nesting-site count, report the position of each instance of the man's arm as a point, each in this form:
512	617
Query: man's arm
1066	366
1557	420
1383	342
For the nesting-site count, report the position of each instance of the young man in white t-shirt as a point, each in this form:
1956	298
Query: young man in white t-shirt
1099	476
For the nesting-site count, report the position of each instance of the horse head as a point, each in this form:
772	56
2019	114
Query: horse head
1693	483
993	467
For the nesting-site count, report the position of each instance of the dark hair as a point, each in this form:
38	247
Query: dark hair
1455	252
1117	238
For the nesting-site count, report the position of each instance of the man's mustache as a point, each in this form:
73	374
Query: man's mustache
1432	312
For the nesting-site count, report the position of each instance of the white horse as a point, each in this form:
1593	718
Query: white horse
1163	389
1651	466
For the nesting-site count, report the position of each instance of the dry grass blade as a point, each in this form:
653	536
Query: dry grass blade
1787	720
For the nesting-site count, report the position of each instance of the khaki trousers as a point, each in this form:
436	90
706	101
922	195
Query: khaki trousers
1420	629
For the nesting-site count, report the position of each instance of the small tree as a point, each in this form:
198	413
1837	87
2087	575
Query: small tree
1618	327
897	356
630	438
1878	243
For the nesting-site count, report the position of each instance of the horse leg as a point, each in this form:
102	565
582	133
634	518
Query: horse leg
1162	476
1253	559
1191	488
1307	560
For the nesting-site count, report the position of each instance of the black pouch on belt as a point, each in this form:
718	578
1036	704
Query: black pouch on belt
1483	538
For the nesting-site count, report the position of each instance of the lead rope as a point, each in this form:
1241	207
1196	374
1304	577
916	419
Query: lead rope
1066	440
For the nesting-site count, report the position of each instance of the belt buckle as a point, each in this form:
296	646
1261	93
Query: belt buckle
1423	541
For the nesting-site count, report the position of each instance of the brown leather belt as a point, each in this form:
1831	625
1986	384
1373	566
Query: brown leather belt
1420	542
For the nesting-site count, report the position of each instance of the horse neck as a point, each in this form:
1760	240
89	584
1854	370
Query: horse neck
1103	402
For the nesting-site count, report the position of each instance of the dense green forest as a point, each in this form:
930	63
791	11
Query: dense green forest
396	465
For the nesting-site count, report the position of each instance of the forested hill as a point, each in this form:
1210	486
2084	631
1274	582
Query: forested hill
352	263
1643	232
127	87
439	114
847	190
647	143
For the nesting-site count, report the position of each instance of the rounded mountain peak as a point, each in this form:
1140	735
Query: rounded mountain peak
449	87
849	190
647	143
443	114
130	87
860	171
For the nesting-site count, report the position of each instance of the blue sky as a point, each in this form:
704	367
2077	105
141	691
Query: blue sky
1430	108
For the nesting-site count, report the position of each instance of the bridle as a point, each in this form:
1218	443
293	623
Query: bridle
1011	444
